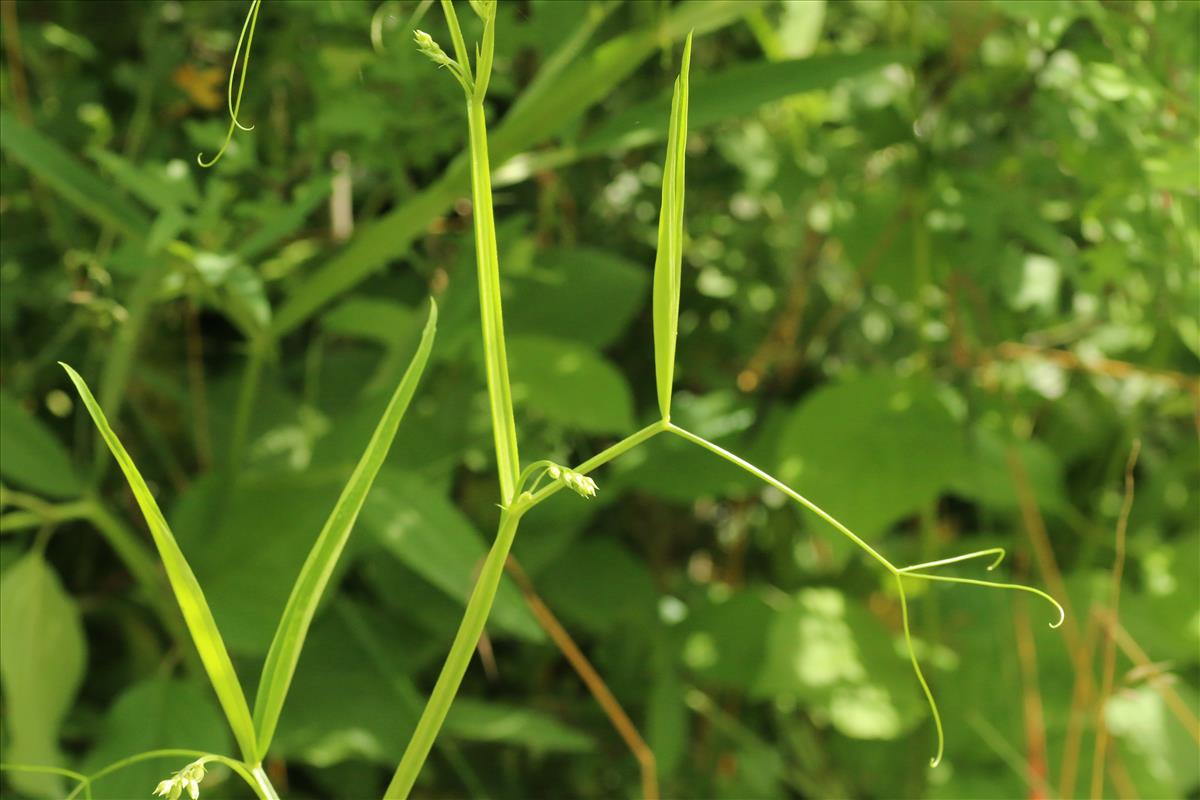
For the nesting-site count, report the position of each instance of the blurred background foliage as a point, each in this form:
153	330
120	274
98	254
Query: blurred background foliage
941	273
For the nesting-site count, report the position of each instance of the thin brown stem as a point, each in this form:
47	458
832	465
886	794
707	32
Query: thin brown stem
591	678
1138	656
1013	351
1081	698
1031	696
1110	643
1035	527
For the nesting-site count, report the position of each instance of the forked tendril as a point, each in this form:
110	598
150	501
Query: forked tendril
907	572
998	552
900	573
235	102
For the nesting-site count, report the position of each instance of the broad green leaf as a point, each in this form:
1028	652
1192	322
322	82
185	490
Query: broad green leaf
597	585
65	175
986	475
30	456
725	639
372	318
42	658
357	654
155	714
668	261
824	649
417	525
478	721
871	450
187	589
575	293
570	384
284	509
318	568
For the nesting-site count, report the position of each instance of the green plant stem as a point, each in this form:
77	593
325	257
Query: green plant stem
478	607
406	693
1017	587
504	428
237	766
262	784
35	512
603	457
244	411
84	782
783	487
916	665
998	552
460	46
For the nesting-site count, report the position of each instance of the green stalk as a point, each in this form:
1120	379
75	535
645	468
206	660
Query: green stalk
478	607
504	428
244	410
262	788
783	487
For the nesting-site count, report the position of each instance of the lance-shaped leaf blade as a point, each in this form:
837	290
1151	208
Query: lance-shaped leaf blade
318	567
188	593
668	262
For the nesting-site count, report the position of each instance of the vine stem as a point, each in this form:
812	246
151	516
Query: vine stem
783	487
262	789
479	606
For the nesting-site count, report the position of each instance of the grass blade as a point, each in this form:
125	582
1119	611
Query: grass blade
318	567
183	581
668	263
79	186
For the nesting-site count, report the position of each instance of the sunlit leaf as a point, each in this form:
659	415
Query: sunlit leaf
42	658
187	589
668	260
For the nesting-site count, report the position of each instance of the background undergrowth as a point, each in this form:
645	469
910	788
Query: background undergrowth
940	274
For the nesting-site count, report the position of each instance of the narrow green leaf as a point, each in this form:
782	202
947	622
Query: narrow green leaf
191	600
31	456
65	175
668	262
314	575
42	658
